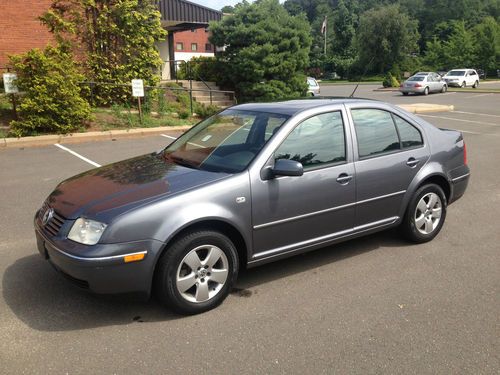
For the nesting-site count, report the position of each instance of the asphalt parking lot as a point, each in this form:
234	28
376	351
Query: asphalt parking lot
375	305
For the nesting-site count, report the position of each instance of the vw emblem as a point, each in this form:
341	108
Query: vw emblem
47	216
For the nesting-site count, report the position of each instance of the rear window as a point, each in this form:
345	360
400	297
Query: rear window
456	73
419	78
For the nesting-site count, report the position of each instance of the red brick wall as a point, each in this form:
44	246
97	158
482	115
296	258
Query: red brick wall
198	36
20	29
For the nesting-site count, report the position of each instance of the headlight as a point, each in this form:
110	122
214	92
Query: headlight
87	232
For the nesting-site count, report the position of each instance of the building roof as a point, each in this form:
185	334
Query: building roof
182	14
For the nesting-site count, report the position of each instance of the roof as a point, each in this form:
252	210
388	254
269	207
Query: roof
182	11
291	107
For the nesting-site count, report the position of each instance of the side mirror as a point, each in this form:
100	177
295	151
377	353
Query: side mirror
283	167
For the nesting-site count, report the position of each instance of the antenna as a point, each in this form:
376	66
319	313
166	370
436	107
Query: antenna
362	76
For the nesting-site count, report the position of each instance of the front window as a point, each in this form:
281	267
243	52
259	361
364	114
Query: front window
312	82
226	142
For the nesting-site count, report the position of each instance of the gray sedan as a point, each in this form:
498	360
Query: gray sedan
250	185
424	83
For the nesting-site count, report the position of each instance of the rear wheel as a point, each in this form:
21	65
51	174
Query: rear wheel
426	91
405	94
475	85
197	272
444	89
425	214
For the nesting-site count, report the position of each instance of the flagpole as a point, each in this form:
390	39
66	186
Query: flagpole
325	38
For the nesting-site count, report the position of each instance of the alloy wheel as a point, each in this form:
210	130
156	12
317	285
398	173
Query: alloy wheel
428	213
202	273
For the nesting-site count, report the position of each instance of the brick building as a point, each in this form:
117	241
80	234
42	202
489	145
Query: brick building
20	28
191	43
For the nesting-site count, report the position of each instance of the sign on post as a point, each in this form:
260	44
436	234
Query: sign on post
137	88
9	83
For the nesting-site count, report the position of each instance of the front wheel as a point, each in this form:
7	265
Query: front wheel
425	214
463	85
196	273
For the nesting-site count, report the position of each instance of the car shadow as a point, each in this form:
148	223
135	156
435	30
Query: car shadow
44	301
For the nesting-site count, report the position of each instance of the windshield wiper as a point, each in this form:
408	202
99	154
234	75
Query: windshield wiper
181	161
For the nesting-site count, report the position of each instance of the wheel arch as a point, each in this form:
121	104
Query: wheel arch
215	224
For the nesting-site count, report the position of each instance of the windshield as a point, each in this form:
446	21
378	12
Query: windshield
312	82
456	73
226	142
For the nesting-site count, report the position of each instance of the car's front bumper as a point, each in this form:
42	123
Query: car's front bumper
454	83
104	273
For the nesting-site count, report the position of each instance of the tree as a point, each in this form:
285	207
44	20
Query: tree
386	38
115	39
52	100
266	51
459	48
487	44
227	9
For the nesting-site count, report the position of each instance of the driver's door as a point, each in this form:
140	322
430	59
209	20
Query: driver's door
293	212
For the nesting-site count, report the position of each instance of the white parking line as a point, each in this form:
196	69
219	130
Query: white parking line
477	96
190	143
476	114
168	136
461	120
77	155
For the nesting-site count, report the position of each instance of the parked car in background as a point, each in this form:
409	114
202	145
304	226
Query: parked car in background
313	87
252	184
462	78
423	83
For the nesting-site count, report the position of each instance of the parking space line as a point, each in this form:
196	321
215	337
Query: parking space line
461	120
168	136
477	96
191	143
476	114
77	155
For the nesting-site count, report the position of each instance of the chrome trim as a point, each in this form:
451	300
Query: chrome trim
460	177
298	217
97	258
320	240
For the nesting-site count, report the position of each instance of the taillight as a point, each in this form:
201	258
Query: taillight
465	154
418	85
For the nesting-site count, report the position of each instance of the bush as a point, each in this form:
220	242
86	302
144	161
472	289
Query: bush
203	67
52	100
390	81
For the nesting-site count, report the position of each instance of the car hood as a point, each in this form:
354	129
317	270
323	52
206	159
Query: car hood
108	191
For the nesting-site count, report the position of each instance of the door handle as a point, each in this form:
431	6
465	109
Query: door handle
344	178
412	162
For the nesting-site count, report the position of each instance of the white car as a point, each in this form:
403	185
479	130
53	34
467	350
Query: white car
462	78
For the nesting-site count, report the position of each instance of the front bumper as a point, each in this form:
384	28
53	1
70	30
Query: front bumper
454	83
108	274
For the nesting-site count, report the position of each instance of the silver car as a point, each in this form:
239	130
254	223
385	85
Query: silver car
313	87
424	83
253	184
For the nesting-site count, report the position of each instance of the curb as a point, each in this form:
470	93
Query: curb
44	140
426	108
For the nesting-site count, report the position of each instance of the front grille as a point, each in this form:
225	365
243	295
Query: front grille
56	221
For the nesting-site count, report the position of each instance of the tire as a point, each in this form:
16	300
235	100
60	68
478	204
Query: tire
463	85
426	91
444	89
421	222
475	85
405	94
197	272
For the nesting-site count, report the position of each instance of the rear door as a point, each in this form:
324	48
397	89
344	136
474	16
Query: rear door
389	153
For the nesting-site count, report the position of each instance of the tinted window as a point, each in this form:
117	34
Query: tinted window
318	140
375	131
409	135
418	78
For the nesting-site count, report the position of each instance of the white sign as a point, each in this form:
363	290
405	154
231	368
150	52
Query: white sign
137	88
8	83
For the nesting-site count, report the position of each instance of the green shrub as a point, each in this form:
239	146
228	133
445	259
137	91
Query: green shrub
52	100
390	81
205	111
204	67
